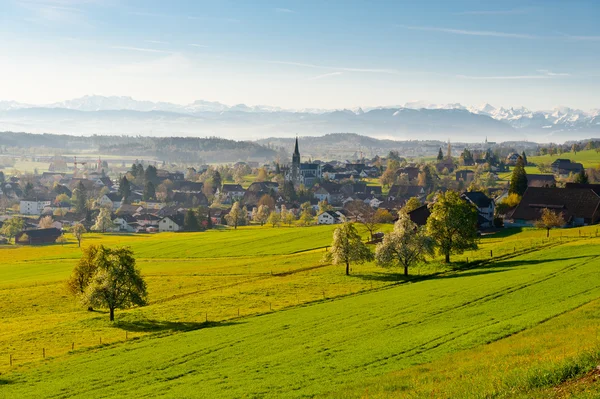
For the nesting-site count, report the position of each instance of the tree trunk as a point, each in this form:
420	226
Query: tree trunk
406	270
347	269
90	309
547	233
112	314
448	257
79	243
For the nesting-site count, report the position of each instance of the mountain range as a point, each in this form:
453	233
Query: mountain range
414	120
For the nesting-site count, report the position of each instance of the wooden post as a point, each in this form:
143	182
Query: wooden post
238	312
270	306
72	345
100	340
491	254
125	335
44	353
10	360
207	317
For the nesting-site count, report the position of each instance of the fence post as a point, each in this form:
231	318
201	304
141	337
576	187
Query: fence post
270	306
72	345
491	254
207	317
44	353
100	340
238	312
10	360
125	335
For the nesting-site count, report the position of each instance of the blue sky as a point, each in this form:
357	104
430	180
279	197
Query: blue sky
303	54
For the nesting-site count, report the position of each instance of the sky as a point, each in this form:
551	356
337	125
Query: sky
304	54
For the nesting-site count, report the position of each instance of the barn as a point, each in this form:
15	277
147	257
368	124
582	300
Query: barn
37	237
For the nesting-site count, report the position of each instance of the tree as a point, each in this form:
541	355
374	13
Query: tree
347	247
235	217
151	175
103	221
149	191
518	181
262	214
384	216
524	156
124	189
581	178
261	175
83	273
117	282
306	217
190	221
412	204
365	215
80	199
405	246
46	222
267	201
289	192
274	219
324	206
12	227
453	224
216	179
2	178
78	231
550	220
287	217
440	155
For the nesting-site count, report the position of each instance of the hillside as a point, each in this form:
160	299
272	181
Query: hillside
349	330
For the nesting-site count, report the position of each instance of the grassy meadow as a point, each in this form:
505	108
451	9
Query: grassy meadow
283	324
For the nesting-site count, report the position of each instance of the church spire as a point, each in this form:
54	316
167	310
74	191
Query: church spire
296	151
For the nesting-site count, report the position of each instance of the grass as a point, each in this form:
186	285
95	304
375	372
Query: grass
304	329
589	158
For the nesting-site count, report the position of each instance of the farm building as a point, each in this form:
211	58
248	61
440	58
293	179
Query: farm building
37	237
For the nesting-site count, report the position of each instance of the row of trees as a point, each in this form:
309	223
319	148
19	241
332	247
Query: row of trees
451	229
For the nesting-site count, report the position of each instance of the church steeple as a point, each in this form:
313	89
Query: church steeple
296	156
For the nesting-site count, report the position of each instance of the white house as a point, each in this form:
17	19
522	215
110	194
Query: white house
171	223
112	200
331	217
124	223
33	207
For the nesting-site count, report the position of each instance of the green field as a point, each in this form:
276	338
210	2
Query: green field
589	158
283	324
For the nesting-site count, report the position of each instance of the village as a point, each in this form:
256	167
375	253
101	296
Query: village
151	197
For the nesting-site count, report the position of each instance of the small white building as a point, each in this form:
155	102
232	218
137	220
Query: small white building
33	207
112	200
171	223
331	217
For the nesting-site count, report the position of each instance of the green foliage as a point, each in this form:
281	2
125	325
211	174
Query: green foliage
117	283
125	189
274	219
550	220
324	206
347	247
80	198
78	232
12	227
518	180
237	216
262	214
452	224
405	246
581	178
412	204
83	272
190	221
149	191
440	155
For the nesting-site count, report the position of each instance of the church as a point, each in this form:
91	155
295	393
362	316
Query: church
303	173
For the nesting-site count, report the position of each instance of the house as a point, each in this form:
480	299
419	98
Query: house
126	223
232	192
485	207
331	217
399	192
33	206
445	164
111	200
330	192
579	206
512	159
171	223
37	237
190	199
534	180
564	167
465	175
411	172
420	215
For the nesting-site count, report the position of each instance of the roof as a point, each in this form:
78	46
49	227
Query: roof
595	187
398	191
572	202
42	233
232	188
309	166
534	180
478	198
114	197
178	219
420	215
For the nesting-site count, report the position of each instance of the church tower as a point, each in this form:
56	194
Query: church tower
296	163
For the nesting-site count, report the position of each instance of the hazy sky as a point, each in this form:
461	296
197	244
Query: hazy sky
299	54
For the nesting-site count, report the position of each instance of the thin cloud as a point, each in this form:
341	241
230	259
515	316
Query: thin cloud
470	32
550	73
326	75
140	49
345	69
198	45
509	77
156	42
284	10
514	11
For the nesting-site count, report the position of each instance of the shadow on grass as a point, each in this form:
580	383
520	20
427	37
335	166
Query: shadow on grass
5	382
167	326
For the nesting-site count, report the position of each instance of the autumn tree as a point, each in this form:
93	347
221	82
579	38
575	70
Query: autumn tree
518	180
78	231
237	216
324	206
83	272
306	216
12	227
268	201
405	246
410	205
347	247
117	283
261	175
452	224
550	220
46	222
